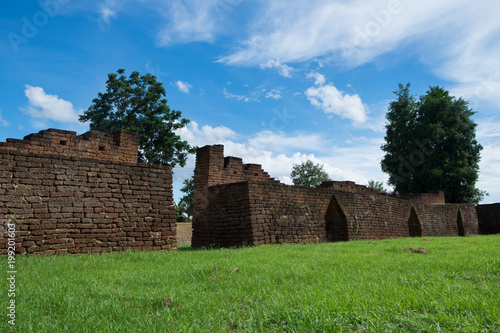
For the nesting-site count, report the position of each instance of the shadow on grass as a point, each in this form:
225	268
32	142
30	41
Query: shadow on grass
186	247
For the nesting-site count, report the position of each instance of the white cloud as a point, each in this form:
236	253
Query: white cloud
457	39
357	31
332	101
49	107
280	141
283	69
206	135
489	178
242	98
183	86
277	152
3	121
376	120
274	94
319	78
286	180
189	21
487	129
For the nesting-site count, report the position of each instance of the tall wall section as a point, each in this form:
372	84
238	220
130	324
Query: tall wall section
87	193
212	168
254	211
118	147
489	218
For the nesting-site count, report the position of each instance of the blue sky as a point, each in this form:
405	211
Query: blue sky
276	82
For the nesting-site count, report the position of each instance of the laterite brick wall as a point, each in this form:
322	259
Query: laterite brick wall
118	147
252	209
212	168
87	193
489	218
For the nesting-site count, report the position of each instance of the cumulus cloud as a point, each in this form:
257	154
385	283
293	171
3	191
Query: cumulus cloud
183	86
242	98
283	69
332	101
49	107
206	135
319	78
277	152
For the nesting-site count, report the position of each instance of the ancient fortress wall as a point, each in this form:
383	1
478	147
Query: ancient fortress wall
118	147
489	218
87	193
234	206
212	168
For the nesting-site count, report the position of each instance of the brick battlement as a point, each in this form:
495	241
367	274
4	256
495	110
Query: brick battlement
121	146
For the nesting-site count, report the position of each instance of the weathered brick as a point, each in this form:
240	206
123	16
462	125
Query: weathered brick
68	193
236	203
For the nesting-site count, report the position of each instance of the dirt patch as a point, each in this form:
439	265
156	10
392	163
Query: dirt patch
420	250
184	232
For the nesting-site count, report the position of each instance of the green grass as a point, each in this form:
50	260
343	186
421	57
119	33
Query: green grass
364	286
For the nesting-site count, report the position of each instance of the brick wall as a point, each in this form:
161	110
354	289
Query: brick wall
226	221
489	218
447	220
118	147
212	168
434	198
258	210
81	199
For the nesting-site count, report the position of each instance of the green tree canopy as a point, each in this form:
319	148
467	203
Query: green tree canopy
137	104
377	186
431	145
308	174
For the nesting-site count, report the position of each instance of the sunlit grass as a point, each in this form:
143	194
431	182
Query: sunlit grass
364	286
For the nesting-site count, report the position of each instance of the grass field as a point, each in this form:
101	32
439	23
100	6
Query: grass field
364	286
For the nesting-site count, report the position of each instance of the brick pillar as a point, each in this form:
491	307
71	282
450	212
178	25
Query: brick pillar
128	145
209	166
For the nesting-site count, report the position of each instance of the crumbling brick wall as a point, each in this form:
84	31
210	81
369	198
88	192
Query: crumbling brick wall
262	211
118	147
86	194
489	218
212	168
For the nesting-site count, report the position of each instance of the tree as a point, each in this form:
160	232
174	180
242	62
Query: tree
179	213
186	202
136	104
308	174
431	145
377	186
